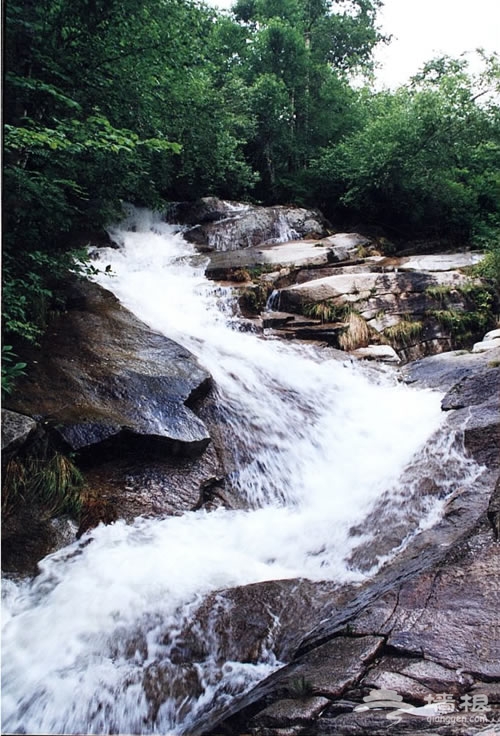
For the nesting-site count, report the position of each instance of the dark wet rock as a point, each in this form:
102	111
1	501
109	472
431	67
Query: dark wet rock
290	712
17	429
415	679
493	512
204	210
328	333
478	388
334	666
381	678
102	375
430	618
472	382
325	672
149	484
481	427
162	682
246	623
451	613
28	535
375	723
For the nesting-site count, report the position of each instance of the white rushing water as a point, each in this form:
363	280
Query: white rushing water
321	442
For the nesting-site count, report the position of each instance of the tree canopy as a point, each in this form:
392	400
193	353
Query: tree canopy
159	100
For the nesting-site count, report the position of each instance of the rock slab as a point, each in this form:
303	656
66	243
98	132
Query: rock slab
101	375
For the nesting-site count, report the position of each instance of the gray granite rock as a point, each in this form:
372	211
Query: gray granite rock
16	430
480	387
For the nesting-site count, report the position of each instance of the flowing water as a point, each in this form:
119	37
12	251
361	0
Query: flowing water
87	645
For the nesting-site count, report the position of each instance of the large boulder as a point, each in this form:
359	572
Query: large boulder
250	621
478	388
221	225
121	398
370	291
440	262
102	376
416	312
417	305
431	630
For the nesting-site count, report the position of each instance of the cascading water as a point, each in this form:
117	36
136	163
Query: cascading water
88	644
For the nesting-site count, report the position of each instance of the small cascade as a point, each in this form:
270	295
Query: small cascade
285	233
273	301
95	643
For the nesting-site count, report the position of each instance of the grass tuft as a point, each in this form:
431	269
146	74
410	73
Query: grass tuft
405	333
356	335
56	484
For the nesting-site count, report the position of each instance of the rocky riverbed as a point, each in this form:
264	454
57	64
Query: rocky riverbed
138	415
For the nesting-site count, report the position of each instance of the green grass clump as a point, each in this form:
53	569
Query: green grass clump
405	332
56	484
327	311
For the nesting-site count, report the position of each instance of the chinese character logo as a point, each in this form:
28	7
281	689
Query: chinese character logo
439	706
385	699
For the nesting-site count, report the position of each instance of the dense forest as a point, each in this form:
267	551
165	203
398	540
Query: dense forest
151	101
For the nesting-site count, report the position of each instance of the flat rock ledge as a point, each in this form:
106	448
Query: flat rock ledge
354	297
102	376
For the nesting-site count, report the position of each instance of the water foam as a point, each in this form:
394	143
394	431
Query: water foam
320	443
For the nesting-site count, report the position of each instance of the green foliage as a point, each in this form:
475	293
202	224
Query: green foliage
404	333
441	292
488	238
300	687
253	299
12	369
56	484
425	159
107	101
296	61
327	311
474	320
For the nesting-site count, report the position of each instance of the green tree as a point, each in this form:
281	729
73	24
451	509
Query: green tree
297	63
104	102
425	160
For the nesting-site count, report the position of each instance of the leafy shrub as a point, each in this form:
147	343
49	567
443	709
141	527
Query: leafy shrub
12	369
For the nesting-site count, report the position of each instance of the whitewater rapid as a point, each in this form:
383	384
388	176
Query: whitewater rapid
321	441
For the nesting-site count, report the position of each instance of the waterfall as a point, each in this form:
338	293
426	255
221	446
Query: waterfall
320	444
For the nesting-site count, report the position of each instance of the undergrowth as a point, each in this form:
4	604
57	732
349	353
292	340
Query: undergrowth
327	311
56	484
404	333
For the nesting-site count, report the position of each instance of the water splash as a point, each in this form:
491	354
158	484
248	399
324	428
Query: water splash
319	444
